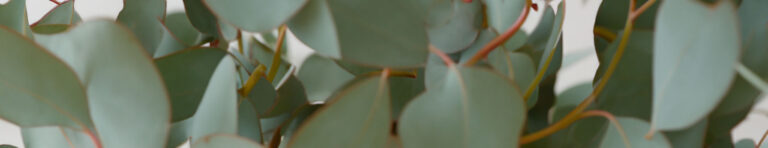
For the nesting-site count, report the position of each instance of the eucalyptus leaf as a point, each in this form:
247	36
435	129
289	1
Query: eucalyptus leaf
693	136
61	14
502	14
753	21
248	124
290	96
744	143
34	81
269	13
321	77
365	108
635	130
466	109
460	31
186	74
365	32
144	18
225	140
612	14
217	113
15	16
51	136
50	28
127	98
178	34
629	91
262	96
179	133
695	50
201	17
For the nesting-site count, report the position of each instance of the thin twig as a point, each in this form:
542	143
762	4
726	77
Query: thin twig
253	79
496	42
55	2
276	59
762	139
447	60
574	114
613	120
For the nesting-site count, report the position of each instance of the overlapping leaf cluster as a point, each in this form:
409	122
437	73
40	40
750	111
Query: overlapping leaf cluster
384	73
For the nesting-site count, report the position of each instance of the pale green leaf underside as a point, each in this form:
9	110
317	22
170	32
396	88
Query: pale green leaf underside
696	48
358	116
225	141
471	107
126	94
321	77
33	81
52	137
217	113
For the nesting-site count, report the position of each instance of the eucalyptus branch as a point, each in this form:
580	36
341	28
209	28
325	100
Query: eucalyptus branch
447	60
394	73
94	138
55	2
276	59
574	114
613	120
253	79
762	139
496	42
604	33
240	41
564	123
752	78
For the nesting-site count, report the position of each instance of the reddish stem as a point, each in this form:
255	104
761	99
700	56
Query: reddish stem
94	138
56	2
467	1
496	42
442	55
214	43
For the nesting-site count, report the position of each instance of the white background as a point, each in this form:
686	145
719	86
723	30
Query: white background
580	17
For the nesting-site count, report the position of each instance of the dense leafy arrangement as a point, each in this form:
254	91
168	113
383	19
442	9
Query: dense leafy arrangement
384	73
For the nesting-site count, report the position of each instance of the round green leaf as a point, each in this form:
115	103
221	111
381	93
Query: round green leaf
61	14
321	77
635	130
14	16
127	98
745	143
52	136
471	107
365	32
144	18
502	14
358	116
37	88
696	47
217	113
290	96
225	140
461	29
255	15
186	74
753	21
629	91
612	14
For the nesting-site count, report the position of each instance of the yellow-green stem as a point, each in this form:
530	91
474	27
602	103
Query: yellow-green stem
276	59
576	112
240	41
253	79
